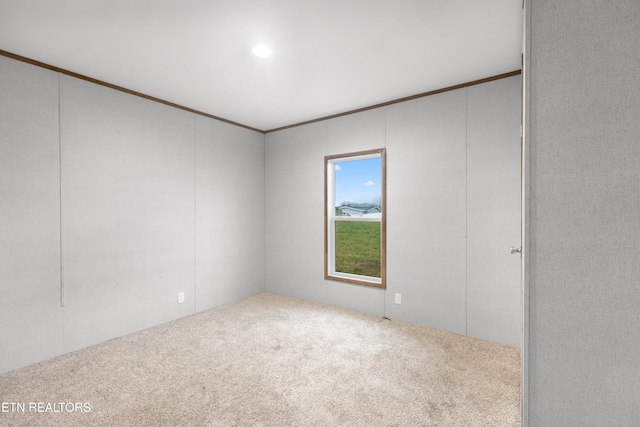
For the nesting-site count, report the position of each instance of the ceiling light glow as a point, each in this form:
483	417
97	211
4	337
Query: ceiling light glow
261	51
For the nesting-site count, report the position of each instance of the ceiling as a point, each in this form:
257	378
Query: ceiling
329	56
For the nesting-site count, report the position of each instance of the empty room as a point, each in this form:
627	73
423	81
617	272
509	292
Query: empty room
305	213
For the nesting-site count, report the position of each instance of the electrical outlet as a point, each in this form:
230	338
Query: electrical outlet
180	297
398	298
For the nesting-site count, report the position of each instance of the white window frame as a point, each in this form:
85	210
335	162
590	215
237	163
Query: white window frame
330	219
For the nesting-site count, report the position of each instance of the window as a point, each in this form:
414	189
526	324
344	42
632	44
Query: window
355	223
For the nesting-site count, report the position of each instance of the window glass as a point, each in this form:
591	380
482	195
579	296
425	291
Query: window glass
355	218
357	248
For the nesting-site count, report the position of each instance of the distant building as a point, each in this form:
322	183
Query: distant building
357	209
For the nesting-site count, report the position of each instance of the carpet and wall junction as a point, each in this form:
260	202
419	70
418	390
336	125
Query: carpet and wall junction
271	360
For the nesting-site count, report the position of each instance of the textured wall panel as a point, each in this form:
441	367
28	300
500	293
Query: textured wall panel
295	205
426	141
494	300
584	213
356	132
426	204
229	213
128	212
30	313
294	211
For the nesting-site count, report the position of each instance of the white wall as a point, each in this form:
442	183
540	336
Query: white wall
427	245
127	212
427	148
230	259
126	200
30	313
582	357
112	204
294	243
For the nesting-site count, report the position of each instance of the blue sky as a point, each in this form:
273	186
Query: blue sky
358	181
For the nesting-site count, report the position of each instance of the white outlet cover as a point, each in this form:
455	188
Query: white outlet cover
180	297
398	298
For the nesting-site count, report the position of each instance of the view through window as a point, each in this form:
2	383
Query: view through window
355	218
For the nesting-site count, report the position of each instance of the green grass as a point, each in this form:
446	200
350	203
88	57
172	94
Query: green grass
358	248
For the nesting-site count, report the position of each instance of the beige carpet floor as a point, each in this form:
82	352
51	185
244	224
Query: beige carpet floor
271	360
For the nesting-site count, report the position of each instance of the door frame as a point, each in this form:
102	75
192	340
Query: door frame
524	212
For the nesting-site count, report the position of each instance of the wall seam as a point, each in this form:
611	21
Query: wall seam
386	261
327	151
61	212
195	216
60	196
264	211
466	211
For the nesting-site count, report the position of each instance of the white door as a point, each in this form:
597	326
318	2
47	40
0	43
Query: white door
494	300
